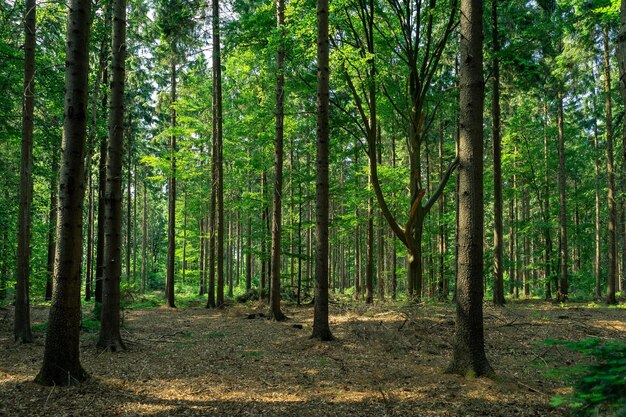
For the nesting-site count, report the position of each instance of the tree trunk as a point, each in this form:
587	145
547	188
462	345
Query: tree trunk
61	362
144	240
469	357
321	328
217	133
275	312
110	337
563	285
612	249
129	219
171	218
22	330
498	234
52	225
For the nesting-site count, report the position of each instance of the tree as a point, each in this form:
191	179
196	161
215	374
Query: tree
469	356
61	362
110	337
275	312
498	234
321	328
22	331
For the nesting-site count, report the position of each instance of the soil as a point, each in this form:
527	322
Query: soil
386	361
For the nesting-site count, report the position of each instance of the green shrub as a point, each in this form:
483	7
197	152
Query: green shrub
599	383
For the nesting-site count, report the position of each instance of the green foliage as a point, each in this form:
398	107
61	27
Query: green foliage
599	383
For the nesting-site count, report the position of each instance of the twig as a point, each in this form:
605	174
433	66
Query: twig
45	405
532	389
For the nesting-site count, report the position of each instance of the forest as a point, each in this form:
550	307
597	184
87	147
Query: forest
298	207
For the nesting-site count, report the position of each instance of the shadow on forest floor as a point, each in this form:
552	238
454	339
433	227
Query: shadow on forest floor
386	361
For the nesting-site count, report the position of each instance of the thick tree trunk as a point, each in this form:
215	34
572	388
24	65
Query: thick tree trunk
321	328
110	337
275	312
469	347
61	362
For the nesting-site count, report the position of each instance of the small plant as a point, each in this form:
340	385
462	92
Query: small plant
599	385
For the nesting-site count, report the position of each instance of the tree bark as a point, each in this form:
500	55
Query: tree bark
498	235
110	337
612	249
52	225
563	284
275	312
22	331
217	133
469	358
171	218
61	362
321	328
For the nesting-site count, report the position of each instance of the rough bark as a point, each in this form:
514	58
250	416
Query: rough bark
275	312
61	362
563	281
321	328
110	337
217	133
469	358
498	234
171	218
612	249
21	330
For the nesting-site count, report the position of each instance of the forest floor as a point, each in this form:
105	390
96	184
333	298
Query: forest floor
386	361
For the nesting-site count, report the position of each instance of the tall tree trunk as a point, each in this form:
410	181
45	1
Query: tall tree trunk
321	328
217	133
129	219
597	264
22	330
184	266
249	248
546	210
171	218
612	255
110	337
52	225
498	238
144	239
563	285
61	361
275	312
469	347
369	265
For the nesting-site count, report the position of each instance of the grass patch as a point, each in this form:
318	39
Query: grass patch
252	354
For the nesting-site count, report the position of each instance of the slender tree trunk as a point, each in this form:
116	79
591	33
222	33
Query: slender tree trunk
144	240
129	219
546	201
612	249
275	312
498	238
184	234
52	225
249	248
321	328
217	133
563	285
369	266
22	330
110	337
469	348
171	218
61	361
598	225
